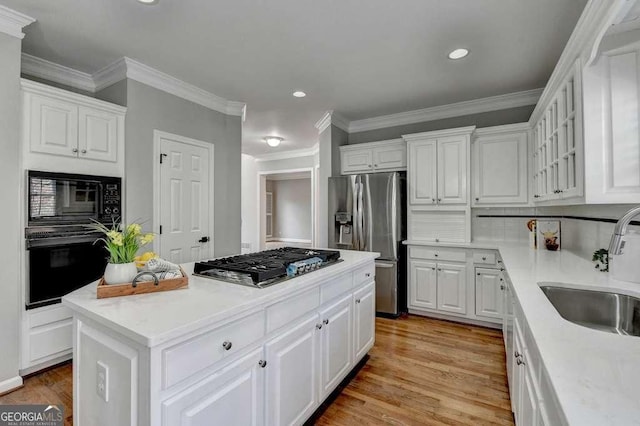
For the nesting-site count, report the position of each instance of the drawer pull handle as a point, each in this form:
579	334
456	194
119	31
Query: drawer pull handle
326	321
262	363
501	287
519	361
319	326
517	354
227	345
357	300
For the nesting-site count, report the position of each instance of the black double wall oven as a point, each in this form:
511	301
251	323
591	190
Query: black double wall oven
62	254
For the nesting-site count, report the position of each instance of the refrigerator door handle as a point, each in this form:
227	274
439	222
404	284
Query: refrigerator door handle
360	219
368	216
354	226
394	214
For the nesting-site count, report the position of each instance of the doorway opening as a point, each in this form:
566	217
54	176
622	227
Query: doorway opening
286	208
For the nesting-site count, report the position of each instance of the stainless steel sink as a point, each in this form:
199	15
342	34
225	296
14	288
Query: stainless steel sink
600	310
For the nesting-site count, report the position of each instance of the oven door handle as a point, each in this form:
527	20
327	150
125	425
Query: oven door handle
59	241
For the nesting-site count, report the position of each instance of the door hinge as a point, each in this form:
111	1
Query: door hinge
160	229
162	157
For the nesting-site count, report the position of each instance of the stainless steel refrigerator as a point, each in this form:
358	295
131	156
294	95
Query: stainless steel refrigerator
367	213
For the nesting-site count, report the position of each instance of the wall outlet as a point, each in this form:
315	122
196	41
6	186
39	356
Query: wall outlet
102	381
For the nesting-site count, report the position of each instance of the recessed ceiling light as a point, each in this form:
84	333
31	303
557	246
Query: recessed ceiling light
273	141
299	94
458	54
148	1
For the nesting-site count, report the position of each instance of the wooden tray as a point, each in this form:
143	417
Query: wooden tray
127	289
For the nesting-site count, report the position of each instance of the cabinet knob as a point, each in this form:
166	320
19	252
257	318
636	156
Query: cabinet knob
517	354
84	151
375	165
478	274
439	269
357	300
368	274
501	287
436	255
433	269
74	150
326	321
477	199
369	165
319	326
439	199
433	200
262	363
227	345
519	361
484	257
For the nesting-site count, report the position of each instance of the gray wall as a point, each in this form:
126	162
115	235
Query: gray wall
10	288
291	208
149	109
485	119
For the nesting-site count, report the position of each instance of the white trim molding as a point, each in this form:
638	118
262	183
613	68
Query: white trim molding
506	128
439	133
284	155
12	22
493	103
129	68
332	117
10	384
38	67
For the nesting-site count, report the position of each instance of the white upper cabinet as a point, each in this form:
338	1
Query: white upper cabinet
438	172
499	170
379	156
67	131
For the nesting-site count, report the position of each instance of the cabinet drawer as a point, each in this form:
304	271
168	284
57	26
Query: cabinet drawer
48	315
186	359
484	258
335	287
364	274
50	341
437	254
283	313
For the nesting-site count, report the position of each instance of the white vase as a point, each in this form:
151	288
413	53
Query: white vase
119	273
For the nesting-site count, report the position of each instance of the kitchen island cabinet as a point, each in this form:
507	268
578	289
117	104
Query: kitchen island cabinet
221	353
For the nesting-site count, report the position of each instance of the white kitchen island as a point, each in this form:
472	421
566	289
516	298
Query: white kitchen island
218	353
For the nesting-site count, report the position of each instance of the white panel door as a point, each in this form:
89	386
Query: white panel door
336	344
233	396
364	316
452	170
356	161
292	373
500	169
53	126
489	293
422	284
390	157
452	288
98	134
184	201
423	174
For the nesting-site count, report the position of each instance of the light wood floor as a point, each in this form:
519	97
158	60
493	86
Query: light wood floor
421	372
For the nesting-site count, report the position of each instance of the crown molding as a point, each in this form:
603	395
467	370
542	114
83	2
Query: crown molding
332	117
134	70
12	22
506	128
596	19
38	67
493	103
439	133
285	155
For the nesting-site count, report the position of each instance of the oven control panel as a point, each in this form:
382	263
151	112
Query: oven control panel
111	201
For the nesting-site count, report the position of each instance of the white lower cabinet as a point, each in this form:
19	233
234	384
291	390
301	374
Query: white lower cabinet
438	286
452	285
292	373
423	284
489	293
364	316
336	344
233	396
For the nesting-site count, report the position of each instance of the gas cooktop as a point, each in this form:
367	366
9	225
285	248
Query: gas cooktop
268	267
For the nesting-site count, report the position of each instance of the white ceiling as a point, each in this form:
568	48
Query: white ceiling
360	58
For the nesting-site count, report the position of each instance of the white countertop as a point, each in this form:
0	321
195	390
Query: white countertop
595	374
155	318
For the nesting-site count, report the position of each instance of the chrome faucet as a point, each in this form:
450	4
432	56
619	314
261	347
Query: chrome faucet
617	243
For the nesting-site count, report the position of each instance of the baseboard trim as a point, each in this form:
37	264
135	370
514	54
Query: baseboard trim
458	319
34	368
10	385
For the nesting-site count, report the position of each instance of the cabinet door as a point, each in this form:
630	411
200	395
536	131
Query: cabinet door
53	126
364	320
356	161
423	173
452	288
98	134
528	415
292	373
489	293
422	284
500	169
390	157
336	344
452	170
233	396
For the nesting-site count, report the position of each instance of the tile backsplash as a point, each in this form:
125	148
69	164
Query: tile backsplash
580	236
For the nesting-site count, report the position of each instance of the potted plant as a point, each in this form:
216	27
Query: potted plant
122	242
